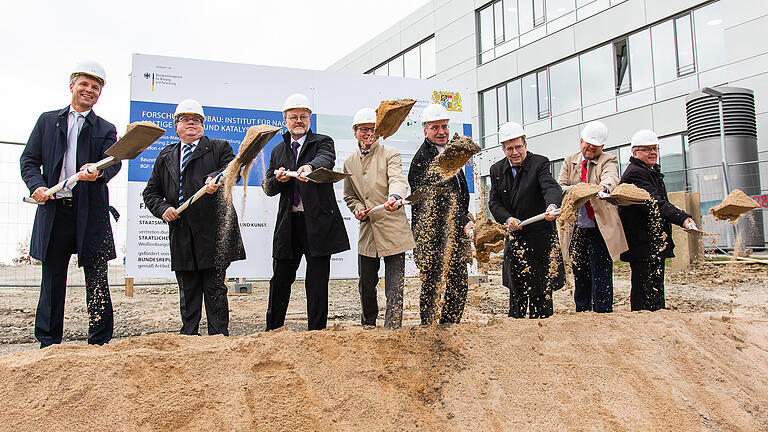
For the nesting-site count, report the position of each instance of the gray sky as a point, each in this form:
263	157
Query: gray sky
43	40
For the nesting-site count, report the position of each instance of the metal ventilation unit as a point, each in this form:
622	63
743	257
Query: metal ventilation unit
706	156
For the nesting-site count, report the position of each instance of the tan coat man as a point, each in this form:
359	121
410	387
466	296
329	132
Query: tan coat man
377	178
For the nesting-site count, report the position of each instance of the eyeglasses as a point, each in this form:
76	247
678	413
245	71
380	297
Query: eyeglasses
303	117
189	120
439	127
517	148
365	129
647	149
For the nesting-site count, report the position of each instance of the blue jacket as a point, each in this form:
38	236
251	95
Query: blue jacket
41	163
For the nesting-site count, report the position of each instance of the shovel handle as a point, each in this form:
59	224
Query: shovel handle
291	173
72	179
381	206
538	218
200	192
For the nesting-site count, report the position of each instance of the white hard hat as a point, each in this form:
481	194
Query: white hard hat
189	106
644	137
510	130
364	115
434	112
595	133
91	69
297	100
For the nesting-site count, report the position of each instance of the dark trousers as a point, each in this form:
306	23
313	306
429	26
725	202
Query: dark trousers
315	282
49	319
433	273
647	291
196	286
540	306
394	273
592	271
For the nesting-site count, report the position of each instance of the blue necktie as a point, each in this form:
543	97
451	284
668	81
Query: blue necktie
296	196
186	153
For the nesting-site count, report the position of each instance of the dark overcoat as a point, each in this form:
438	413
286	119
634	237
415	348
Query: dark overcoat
41	163
648	231
431	220
326	234
532	259
207	232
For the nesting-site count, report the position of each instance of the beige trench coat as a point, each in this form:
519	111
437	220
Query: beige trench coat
374	178
603	170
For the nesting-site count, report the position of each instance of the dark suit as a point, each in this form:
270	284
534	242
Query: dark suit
533	264
648	229
438	228
206	237
316	233
62	229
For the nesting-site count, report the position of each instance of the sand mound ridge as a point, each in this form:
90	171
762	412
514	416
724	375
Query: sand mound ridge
646	371
733	206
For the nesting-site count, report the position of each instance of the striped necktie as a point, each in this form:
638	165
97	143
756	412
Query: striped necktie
186	153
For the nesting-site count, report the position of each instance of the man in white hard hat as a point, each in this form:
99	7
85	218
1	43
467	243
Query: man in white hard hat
598	237
440	225
205	238
377	177
522	187
309	222
648	226
75	219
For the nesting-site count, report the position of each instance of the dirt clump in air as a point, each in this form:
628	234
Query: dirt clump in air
255	139
627	194
489	238
733	206
457	152
574	198
390	115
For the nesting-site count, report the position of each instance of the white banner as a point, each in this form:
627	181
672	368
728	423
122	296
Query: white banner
237	96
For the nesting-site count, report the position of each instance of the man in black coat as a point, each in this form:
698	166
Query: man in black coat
647	227
309	222
522	186
75	219
440	226
205	238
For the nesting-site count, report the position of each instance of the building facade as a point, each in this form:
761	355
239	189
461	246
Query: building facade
553	65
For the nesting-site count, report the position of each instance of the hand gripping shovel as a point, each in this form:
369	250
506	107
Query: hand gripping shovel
421	194
138	136
541	216
255	140
320	175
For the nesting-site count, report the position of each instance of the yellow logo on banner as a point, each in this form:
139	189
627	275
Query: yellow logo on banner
450	100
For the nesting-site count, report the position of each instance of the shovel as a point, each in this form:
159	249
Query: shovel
138	136
255	140
421	194
390	115
542	216
320	175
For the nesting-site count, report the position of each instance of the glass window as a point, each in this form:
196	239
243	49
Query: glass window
557	8
624	154
621	55
710	41
514	102
502	101
412	63
525	12
664	59
396	67
486	29
564	83
543	90
597	84
510	19
428	68
641	69
490	120
684	40
538	13
530	99
671	162
498	23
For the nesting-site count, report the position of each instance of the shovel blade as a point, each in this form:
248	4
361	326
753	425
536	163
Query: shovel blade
390	115
255	140
622	201
138	136
324	175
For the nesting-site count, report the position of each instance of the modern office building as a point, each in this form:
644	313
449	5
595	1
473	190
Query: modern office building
553	65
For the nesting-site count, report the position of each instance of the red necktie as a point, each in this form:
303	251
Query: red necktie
590	210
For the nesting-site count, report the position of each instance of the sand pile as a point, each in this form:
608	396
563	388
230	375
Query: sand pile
489	237
457	152
390	115
576	197
620	371
733	206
